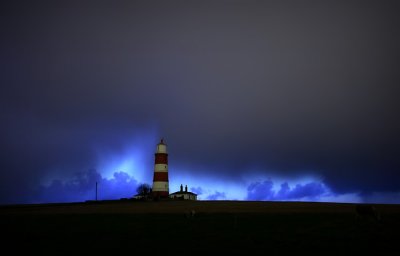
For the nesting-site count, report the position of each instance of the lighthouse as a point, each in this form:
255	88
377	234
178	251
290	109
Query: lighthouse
160	180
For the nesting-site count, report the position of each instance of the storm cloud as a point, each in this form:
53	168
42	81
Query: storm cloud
264	191
217	196
237	89
82	187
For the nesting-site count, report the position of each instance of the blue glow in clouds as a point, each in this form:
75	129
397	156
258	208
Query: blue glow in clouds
121	171
135	159
257	187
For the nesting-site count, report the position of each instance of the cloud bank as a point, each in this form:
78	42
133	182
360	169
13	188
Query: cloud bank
81	187
264	191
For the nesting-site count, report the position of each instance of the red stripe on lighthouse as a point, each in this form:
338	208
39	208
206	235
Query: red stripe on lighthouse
161	194
160	176
161	158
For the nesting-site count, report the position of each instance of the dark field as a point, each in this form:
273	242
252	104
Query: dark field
217	227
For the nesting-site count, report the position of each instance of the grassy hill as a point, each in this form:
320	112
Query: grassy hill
236	227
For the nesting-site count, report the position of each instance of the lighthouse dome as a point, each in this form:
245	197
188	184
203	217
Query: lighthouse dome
161	147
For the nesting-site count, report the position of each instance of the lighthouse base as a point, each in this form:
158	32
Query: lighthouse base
160	194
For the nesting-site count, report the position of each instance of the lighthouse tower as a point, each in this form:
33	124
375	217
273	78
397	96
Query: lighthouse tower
160	180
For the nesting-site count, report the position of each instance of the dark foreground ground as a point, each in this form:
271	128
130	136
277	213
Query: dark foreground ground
225	227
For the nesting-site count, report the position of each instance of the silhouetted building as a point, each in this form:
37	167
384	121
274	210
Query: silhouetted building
183	195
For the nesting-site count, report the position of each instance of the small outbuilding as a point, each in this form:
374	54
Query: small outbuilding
183	195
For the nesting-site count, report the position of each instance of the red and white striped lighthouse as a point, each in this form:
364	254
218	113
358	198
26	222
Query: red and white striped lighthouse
160	180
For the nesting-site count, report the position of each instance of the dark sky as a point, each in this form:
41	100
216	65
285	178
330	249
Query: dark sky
276	99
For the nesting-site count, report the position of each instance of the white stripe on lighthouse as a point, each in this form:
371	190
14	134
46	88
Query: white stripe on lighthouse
161	148
160	168
160	186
